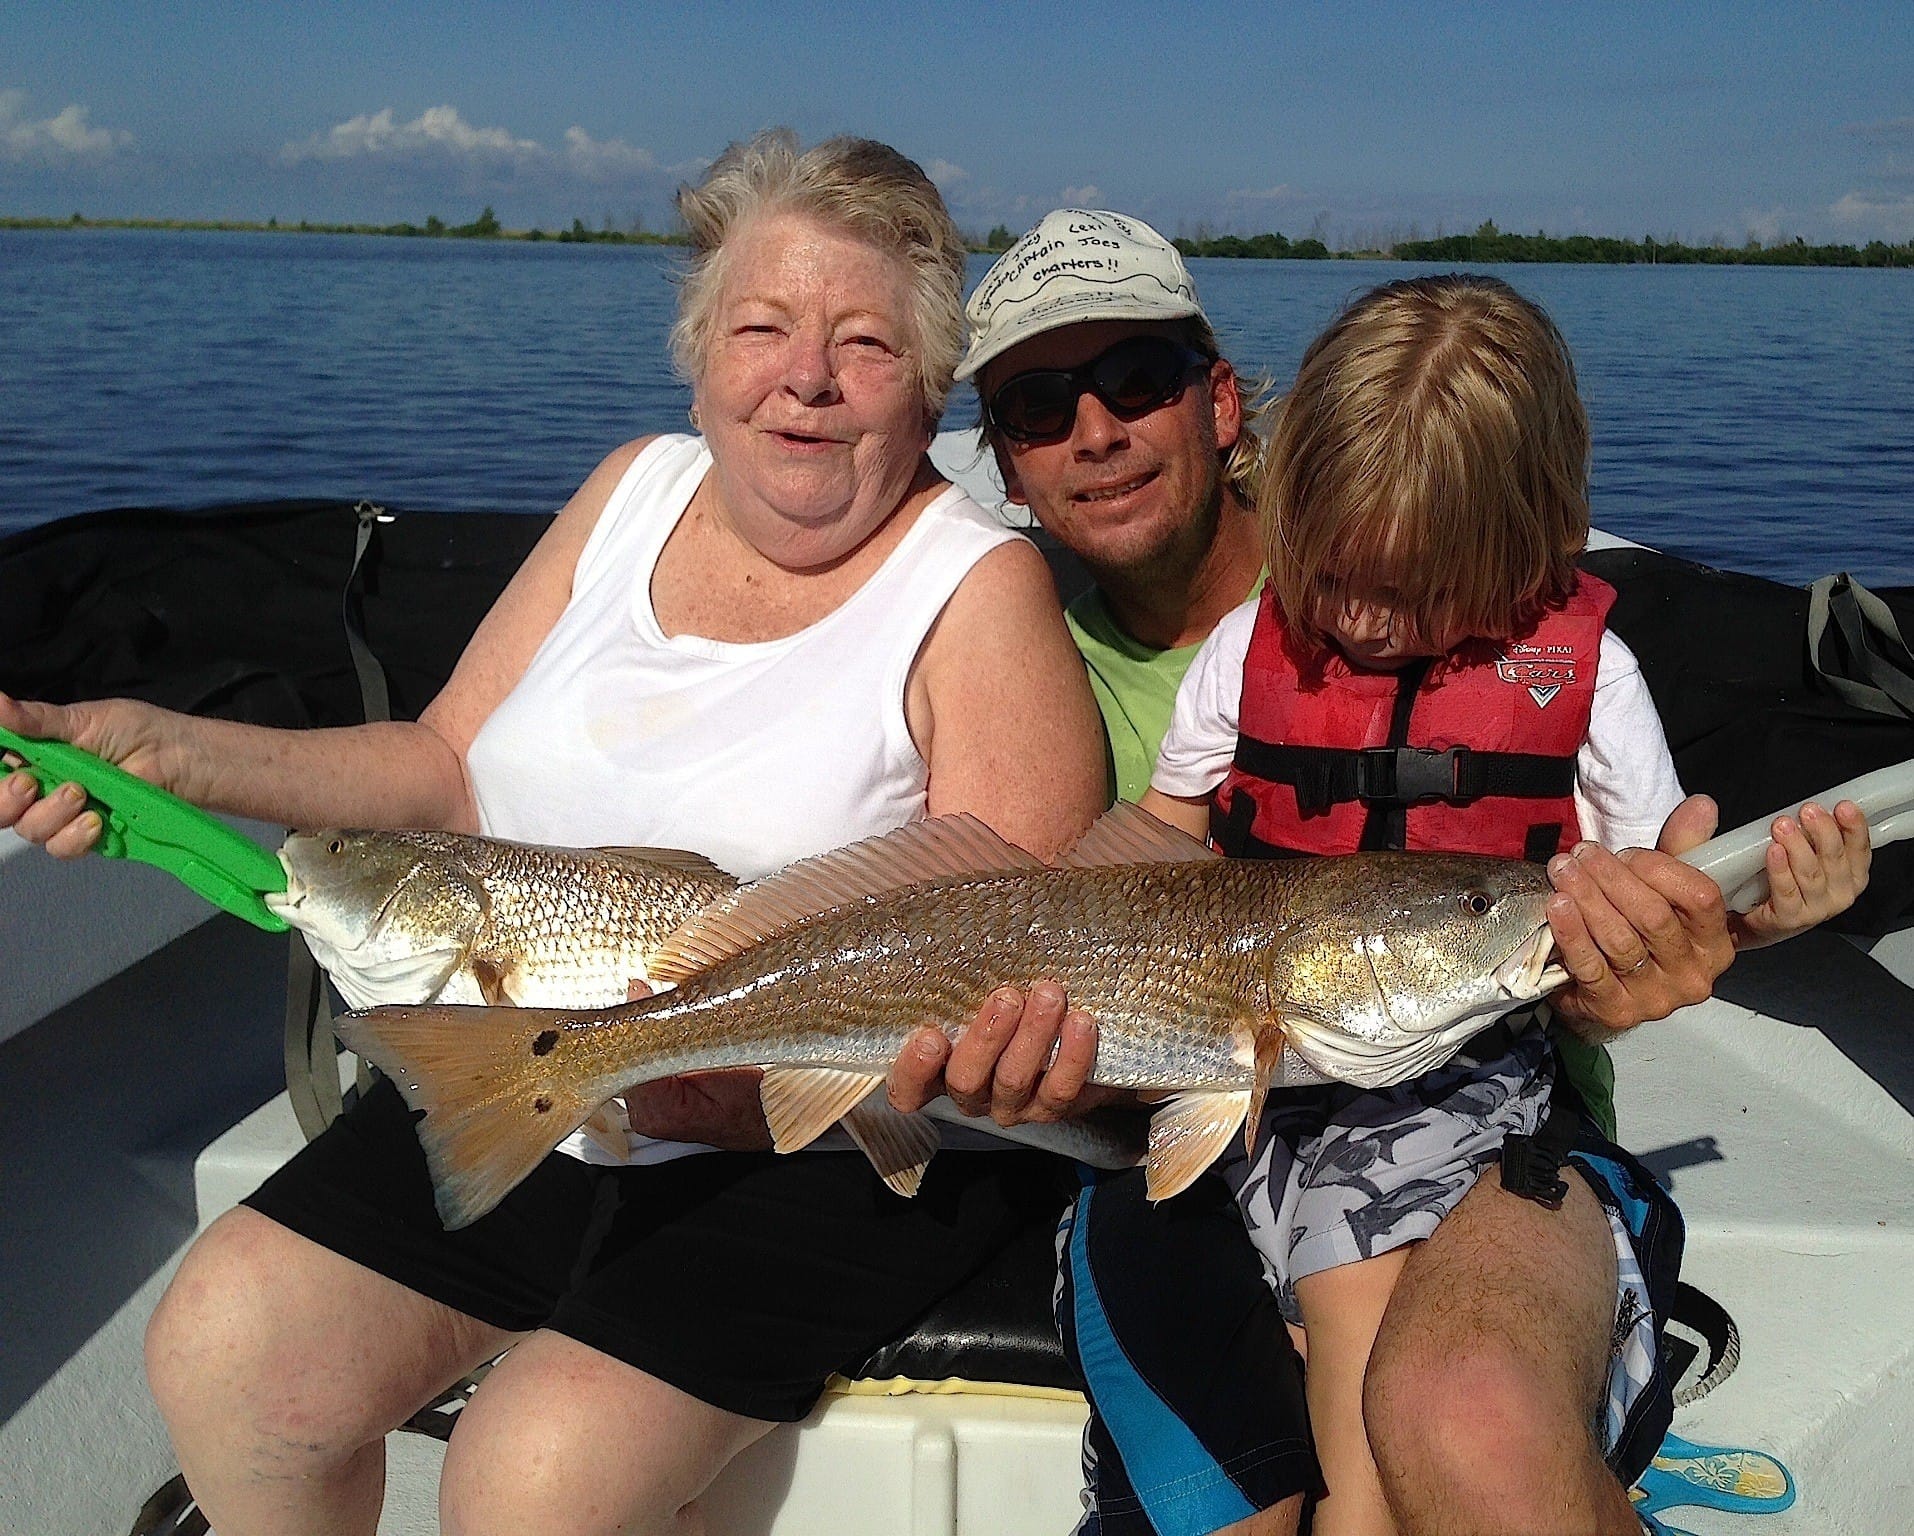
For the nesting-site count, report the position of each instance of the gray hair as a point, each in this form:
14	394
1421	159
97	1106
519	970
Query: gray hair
859	187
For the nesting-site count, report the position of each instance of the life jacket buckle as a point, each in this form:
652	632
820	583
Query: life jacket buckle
1404	775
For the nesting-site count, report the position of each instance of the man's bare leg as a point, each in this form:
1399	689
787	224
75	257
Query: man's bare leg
1487	1375
1282	1519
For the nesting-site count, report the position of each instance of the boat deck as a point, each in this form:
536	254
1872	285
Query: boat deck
1782	1113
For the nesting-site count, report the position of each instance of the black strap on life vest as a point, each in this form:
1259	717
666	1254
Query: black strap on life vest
1388	780
1387	824
1326	776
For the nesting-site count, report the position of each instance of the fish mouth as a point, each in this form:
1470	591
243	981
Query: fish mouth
1528	972
285	903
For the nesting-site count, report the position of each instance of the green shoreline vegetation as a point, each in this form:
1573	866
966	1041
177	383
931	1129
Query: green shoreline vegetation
1486	244
485	227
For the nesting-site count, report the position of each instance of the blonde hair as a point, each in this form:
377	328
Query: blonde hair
857	187
1433	442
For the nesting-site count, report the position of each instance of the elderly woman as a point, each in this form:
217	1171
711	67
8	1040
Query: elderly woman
771	640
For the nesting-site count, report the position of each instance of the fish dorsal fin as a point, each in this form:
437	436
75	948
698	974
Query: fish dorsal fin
802	1103
1128	834
942	847
1187	1134
680	859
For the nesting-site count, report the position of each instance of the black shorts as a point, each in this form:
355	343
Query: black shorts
744	1279
1197	1416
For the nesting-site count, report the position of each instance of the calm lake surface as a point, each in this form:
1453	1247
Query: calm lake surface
1755	418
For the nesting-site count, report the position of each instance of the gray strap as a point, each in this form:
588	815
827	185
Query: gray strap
373	693
312	1072
1856	649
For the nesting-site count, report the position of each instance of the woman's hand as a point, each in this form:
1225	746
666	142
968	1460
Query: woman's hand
124	732
1021	1060
1640	932
1817	868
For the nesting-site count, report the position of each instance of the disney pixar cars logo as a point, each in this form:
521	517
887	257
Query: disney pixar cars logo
1542	669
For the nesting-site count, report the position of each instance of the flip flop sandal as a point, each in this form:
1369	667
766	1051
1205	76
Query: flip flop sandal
1737	1481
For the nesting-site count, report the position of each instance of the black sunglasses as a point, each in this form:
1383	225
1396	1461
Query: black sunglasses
1132	378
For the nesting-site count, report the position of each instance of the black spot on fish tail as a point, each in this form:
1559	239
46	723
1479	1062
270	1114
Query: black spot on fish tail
543	1103
542	1046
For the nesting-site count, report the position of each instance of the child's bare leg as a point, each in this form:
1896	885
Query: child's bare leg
1342	1310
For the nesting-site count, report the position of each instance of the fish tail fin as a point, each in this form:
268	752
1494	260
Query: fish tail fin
498	1088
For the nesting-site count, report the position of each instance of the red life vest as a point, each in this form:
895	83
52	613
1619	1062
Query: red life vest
1477	758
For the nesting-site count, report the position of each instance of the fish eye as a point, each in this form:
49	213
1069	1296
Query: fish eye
336	845
1476	903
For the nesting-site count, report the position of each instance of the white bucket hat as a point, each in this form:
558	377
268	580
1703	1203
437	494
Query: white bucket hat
1078	264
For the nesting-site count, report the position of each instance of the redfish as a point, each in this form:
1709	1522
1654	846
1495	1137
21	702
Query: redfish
413	917
1211	979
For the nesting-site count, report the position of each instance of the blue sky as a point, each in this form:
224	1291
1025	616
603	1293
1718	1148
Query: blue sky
1358	122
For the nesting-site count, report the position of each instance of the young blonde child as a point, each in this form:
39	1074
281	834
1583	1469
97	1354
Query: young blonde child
1426	668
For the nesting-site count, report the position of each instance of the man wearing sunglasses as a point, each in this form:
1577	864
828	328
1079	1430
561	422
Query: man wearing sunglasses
1117	423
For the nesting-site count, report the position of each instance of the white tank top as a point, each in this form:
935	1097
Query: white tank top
751	754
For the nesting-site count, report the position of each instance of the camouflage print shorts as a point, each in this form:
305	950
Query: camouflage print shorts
1341	1174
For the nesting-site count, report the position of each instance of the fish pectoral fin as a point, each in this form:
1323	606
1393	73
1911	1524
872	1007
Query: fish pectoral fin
1271	1041
1128	834
802	1103
607	1128
1188	1133
494	978
900	1146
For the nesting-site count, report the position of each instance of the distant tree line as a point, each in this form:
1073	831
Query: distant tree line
1491	244
1487	244
1266	247
485	227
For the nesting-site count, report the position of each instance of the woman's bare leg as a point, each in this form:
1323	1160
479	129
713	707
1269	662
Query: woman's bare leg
562	1437
279	1367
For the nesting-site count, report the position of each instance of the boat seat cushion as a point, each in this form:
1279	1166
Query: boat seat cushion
996	1327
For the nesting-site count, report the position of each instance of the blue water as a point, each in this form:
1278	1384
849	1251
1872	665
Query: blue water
1755	418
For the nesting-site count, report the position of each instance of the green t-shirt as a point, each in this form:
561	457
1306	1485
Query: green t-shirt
1135	687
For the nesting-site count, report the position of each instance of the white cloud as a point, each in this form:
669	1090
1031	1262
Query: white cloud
1765	224
946	175
438	131
1283	194
1082	197
65	136
1871	216
604	159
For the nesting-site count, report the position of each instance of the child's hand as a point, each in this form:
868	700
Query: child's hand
1816	869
